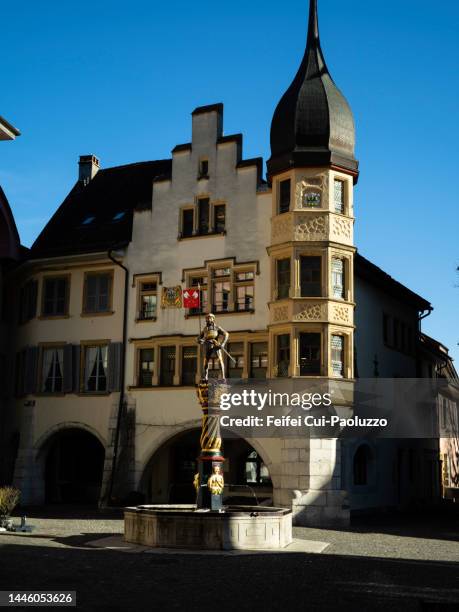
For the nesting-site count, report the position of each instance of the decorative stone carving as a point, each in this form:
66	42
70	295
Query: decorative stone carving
342	227
309	192
311	312
280	314
341	313
311	229
281	228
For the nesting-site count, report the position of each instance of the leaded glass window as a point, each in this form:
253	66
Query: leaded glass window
337	267
337	355
339	196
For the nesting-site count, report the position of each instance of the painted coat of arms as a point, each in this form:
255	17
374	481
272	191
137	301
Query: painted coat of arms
171	297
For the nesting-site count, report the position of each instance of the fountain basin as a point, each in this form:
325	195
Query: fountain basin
183	526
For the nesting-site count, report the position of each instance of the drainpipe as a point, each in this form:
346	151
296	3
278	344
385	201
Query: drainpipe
122	375
424	315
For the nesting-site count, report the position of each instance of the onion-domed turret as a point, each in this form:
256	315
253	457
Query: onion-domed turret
313	123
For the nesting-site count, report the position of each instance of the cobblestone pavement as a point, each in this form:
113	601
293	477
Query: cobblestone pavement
400	563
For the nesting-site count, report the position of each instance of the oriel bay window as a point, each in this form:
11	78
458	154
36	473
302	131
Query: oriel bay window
146	366
309	357
310	276
259	360
148	300
244	290
97	295
52	374
283	355
189	365
221	289
55	296
283	278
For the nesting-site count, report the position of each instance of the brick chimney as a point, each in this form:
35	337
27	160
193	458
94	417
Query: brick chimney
88	167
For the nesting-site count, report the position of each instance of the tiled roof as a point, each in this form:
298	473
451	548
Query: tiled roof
99	215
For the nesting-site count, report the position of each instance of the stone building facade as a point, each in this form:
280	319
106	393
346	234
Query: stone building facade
102	389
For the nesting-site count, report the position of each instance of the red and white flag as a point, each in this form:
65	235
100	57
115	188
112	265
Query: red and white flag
191	298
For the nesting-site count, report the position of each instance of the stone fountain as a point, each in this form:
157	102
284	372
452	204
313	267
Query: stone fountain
208	524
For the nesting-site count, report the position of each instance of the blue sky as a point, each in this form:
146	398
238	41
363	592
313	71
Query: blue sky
120	79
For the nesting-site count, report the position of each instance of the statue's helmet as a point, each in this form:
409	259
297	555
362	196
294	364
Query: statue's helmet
210	317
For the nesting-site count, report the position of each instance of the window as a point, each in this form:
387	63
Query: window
88	220
52	370
146	365
221	289
259	360
189	365
386	329
19	373
256	471
203	169
201	282
283	278
310	276
337	267
95	368
55	297
167	369
187	222
118	216
203	216
396	333
284	196
28	301
339	196
283	355
236	350
148	300
220	218
97	292
362	459
337	355
310	354
244	290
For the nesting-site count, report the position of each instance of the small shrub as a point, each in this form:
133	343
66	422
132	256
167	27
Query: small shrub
9	498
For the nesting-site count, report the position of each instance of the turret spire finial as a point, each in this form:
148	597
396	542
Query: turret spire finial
313	26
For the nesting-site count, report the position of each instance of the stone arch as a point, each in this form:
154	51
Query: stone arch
167	438
43	440
69	464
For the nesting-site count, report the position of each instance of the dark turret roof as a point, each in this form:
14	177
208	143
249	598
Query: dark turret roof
313	123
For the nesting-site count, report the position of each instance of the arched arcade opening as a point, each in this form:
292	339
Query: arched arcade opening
168	476
73	467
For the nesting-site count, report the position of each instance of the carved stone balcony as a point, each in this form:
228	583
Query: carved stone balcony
312	226
312	310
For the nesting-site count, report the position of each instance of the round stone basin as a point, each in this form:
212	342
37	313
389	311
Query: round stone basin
183	526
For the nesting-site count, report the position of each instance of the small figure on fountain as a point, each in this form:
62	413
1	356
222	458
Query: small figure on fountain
214	339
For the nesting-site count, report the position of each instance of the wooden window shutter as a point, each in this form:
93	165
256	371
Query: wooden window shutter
30	375
114	366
